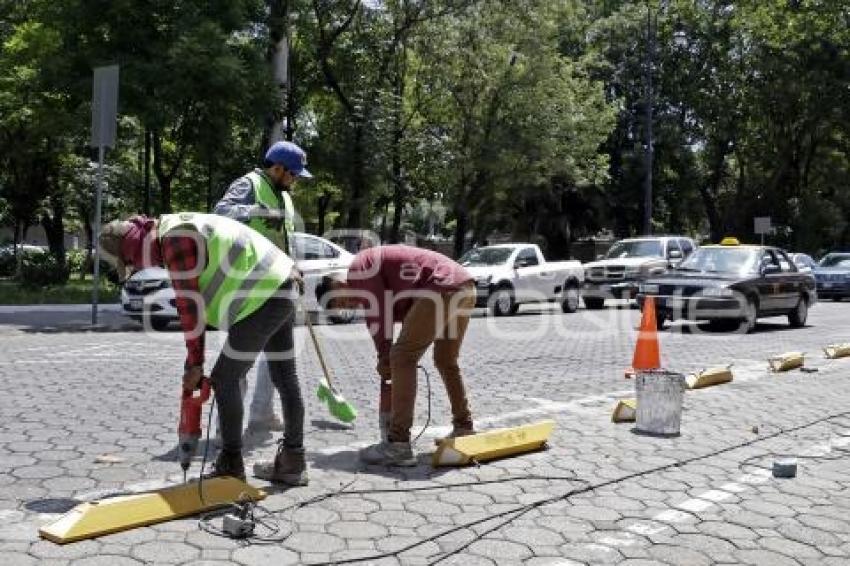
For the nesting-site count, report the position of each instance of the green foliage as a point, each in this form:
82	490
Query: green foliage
42	270
523	117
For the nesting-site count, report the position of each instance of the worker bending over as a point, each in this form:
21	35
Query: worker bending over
432	296
227	276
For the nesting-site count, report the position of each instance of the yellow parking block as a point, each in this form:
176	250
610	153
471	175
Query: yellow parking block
709	377
97	518
493	444
787	361
835	351
625	411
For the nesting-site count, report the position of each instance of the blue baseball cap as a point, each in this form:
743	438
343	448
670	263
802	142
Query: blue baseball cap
290	156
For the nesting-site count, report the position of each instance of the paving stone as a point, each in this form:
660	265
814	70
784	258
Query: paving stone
264	555
357	530
789	548
309	542
679	555
591	552
44	549
533	537
17	558
165	552
763	558
500	549
106	560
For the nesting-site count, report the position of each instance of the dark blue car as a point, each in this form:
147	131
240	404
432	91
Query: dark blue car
833	276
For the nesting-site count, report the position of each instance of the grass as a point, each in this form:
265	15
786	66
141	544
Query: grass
73	292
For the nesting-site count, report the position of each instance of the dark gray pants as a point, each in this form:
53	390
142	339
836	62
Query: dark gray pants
268	330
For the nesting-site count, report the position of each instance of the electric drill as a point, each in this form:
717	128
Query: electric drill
189	429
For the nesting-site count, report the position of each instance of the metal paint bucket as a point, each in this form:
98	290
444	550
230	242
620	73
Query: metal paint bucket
660	395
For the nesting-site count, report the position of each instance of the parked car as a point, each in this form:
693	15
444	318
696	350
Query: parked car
147	296
732	282
833	276
619	273
803	262
508	275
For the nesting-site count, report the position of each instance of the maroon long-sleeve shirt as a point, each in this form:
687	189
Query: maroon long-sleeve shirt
389	277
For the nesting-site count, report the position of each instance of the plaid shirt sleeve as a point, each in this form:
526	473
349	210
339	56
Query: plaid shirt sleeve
180	256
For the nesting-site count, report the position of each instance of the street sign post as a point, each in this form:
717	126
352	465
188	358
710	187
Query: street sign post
104	119
761	226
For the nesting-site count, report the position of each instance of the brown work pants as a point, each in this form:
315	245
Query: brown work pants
440	319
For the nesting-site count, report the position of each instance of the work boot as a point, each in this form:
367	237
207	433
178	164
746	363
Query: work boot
389	454
227	464
288	467
457	431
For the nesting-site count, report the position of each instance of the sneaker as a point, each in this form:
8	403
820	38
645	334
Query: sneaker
455	433
263	425
288	467
389	454
228	464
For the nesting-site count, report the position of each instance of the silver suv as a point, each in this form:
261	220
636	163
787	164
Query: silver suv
618	274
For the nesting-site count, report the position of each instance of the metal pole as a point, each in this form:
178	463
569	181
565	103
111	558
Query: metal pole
647	189
96	235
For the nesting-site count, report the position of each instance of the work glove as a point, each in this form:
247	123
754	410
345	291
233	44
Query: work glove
192	377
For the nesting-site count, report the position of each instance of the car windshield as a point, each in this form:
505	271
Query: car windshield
485	256
722	260
635	248
835	260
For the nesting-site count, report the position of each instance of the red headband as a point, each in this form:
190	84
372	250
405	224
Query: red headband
134	250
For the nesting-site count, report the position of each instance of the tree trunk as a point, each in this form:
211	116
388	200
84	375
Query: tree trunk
358	180
162	178
322	205
88	264
461	224
54	228
147	173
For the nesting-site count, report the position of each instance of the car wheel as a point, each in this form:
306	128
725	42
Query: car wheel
571	298
594	303
797	317
660	319
748	325
502	302
342	317
157	323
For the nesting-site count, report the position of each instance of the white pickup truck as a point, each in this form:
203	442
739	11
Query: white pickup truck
508	275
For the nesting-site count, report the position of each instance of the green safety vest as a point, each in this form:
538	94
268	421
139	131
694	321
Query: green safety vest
242	269
265	195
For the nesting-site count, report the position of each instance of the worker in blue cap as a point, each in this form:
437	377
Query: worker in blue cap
261	199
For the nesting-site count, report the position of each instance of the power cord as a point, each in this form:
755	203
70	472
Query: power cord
518	512
240	520
428	418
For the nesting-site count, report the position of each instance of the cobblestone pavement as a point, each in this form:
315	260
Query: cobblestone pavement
71	396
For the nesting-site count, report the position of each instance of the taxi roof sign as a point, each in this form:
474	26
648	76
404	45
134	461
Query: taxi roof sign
730	241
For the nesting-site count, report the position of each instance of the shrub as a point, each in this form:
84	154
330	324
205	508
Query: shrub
7	263
76	261
42	270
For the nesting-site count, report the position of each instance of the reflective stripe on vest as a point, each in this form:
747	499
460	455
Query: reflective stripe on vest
242	269
265	195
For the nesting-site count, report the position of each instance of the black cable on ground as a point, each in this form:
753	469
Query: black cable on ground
524	509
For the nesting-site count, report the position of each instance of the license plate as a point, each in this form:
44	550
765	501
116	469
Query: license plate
827	285
136	304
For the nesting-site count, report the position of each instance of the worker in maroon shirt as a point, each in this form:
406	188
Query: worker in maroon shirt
432	296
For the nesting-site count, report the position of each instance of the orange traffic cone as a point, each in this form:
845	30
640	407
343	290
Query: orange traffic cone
647	352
